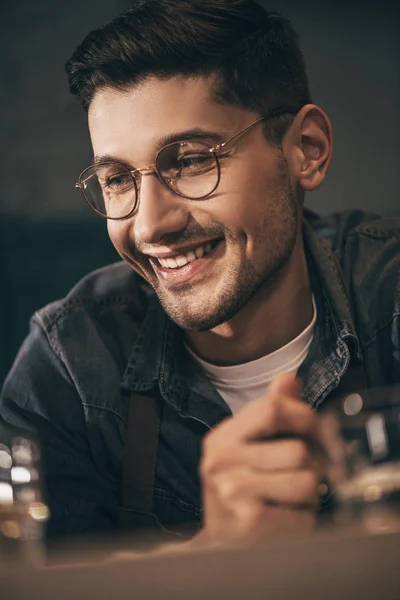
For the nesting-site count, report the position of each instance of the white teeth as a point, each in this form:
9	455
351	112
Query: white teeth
181	260
184	259
171	263
191	256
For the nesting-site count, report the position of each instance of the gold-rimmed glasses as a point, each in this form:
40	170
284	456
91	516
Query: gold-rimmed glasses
189	168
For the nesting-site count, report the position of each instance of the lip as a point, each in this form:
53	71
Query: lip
184	274
181	250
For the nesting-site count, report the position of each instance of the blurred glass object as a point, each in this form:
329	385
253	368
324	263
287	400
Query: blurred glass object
22	509
362	434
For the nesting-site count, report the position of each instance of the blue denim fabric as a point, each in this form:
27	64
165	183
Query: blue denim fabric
74	375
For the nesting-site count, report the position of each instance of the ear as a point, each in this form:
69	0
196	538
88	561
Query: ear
308	147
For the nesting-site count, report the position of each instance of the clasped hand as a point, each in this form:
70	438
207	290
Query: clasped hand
261	470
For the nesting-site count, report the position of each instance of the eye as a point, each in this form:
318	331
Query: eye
188	161
194	163
118	181
185	159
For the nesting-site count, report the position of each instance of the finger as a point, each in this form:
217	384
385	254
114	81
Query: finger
265	418
273	455
290	488
285	384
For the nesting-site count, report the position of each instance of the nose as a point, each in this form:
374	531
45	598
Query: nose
160	212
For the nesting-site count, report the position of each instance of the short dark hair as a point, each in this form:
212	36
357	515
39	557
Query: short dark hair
254	54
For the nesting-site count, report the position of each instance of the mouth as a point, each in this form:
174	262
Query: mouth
181	268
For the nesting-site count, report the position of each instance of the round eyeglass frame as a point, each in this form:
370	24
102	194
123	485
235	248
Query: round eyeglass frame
134	172
154	167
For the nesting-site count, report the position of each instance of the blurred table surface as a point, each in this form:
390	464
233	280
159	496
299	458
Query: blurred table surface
325	567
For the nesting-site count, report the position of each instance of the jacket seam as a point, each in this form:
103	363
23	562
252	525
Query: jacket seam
58	351
52	342
105	408
186	506
80	305
372	340
375	233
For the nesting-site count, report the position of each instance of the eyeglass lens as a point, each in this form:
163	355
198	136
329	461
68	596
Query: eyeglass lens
188	168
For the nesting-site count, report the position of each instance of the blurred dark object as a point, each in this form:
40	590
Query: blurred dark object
371	425
23	511
362	433
40	262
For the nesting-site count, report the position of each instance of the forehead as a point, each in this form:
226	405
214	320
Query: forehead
132	121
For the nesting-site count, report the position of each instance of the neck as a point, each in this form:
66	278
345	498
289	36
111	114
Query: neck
269	321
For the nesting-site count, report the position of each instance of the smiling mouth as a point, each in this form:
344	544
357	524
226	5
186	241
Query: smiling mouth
181	260
184	266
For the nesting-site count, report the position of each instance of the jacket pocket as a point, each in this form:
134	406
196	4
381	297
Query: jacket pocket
174	514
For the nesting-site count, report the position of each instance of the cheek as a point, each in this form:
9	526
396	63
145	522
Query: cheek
118	232
257	209
244	201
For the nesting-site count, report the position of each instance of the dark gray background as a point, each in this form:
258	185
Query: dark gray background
49	238
351	49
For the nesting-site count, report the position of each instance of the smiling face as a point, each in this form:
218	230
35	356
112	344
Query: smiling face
204	258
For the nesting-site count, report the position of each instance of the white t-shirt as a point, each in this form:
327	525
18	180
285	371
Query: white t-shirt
243	383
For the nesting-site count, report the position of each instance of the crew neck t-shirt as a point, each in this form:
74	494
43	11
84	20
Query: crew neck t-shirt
240	384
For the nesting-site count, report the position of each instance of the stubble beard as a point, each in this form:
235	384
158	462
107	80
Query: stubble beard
197	311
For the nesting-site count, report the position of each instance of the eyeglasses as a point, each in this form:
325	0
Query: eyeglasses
190	169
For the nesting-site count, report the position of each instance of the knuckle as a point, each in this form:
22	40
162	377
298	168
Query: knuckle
226	488
229	488
300	453
216	459
210	465
308	485
250	516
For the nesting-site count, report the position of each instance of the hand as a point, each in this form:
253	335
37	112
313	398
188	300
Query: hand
260	475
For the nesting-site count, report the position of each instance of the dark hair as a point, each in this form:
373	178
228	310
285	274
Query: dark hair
255	54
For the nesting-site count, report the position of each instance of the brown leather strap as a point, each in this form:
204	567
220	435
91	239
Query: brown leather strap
140	459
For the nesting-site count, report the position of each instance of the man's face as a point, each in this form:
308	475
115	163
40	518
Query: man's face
242	235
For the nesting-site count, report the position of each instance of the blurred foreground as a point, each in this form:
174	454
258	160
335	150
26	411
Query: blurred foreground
330	565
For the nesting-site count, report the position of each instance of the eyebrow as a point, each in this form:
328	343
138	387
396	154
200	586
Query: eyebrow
191	134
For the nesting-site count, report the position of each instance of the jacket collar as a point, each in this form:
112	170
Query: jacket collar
324	268
335	343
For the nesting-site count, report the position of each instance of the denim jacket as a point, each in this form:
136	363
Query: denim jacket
84	356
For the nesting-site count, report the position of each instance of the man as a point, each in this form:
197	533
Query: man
229	314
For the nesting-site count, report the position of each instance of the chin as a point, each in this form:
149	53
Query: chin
190	320
196	319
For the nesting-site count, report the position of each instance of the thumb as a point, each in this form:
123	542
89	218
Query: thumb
285	384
